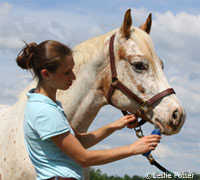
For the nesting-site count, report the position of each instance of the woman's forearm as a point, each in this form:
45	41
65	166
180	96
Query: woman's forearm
91	138
93	158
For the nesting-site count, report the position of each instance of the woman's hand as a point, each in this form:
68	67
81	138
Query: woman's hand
125	121
145	144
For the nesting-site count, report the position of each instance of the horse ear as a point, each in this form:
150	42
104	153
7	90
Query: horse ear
147	25
126	25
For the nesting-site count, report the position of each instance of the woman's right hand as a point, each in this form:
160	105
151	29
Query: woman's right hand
145	144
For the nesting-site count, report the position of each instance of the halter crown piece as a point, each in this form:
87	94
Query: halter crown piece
145	106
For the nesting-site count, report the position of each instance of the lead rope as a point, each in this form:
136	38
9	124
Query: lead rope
152	161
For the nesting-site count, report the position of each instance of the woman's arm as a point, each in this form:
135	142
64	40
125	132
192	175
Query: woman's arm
73	148
91	138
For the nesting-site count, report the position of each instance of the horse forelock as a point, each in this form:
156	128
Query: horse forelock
145	44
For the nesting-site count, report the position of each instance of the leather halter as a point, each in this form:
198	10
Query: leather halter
145	106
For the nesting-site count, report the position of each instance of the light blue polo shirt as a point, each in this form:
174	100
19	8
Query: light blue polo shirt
44	119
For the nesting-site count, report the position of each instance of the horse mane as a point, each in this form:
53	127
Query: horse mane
87	50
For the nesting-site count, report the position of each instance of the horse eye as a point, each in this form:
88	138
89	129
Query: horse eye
139	66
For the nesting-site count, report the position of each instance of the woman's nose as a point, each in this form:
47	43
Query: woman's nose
73	76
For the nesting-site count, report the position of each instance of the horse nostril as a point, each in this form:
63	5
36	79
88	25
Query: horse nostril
175	117
175	114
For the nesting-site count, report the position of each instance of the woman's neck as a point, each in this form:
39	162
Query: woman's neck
44	89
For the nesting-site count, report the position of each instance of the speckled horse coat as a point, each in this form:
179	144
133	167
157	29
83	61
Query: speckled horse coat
138	67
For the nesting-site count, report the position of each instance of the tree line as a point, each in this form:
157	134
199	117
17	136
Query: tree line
96	174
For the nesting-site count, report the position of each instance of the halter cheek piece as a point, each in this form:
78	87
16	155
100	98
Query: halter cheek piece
145	106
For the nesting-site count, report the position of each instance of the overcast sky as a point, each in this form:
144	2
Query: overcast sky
176	36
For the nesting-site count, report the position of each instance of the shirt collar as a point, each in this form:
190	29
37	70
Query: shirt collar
37	97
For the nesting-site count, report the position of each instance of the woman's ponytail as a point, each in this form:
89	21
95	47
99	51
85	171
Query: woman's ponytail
25	58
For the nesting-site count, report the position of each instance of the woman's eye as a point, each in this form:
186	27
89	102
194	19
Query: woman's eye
67	73
139	66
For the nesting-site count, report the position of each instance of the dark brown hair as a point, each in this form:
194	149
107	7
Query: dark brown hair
47	55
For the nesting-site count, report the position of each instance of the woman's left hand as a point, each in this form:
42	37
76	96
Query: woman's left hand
125	121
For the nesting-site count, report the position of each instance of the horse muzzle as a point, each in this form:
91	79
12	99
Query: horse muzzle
174	124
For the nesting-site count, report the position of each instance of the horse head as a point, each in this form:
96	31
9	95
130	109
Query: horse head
140	70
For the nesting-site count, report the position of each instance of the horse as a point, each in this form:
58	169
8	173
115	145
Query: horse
136	66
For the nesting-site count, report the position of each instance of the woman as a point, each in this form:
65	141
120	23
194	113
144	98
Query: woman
56	150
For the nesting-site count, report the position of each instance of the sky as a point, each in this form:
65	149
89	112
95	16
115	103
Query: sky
176	36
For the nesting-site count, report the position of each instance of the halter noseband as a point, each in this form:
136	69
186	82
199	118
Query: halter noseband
145	106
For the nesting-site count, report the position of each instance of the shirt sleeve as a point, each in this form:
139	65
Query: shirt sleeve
51	122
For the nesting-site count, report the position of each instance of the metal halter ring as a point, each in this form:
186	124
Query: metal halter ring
139	132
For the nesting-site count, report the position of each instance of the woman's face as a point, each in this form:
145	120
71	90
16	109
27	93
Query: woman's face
63	77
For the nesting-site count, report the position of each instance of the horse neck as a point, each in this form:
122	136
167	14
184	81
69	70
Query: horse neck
84	99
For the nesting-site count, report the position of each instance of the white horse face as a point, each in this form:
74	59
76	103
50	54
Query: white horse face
141	70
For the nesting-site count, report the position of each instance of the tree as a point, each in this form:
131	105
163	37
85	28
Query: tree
97	175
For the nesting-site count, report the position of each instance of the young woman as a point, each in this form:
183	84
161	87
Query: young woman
56	150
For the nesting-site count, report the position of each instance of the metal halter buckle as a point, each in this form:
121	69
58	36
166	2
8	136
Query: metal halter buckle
144	107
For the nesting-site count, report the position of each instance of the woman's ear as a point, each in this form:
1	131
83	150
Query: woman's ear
45	74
